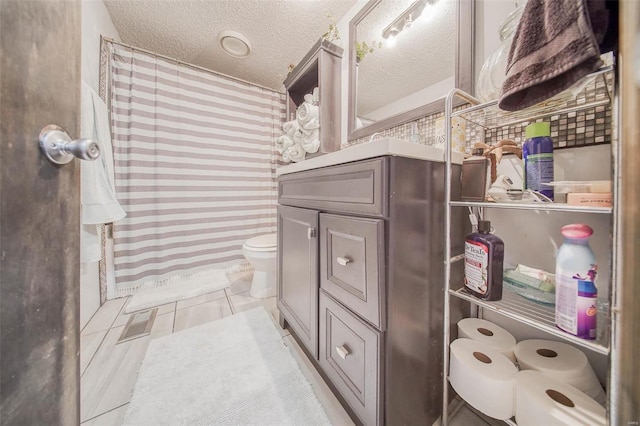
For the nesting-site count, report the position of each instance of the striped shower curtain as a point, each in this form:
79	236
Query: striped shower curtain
194	168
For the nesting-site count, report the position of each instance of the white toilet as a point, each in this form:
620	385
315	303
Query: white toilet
261	253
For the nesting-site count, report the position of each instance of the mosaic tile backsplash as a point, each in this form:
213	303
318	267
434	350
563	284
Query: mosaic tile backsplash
586	127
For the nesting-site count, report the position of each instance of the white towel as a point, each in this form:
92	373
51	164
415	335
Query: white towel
98	198
283	142
311	141
306	113
294	153
311	125
290	127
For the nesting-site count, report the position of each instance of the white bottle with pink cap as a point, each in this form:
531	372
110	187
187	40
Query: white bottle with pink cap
576	293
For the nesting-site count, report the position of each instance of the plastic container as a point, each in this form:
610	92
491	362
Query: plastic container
494	70
576	293
537	153
483	258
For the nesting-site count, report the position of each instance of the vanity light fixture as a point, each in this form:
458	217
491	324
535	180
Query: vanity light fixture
390	41
404	21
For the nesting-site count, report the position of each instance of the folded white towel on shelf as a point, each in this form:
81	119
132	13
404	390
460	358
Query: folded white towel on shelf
306	113
294	153
310	126
283	142
290	127
98	198
313	97
298	137
311	141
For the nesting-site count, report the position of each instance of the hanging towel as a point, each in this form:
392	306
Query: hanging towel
554	47
98	199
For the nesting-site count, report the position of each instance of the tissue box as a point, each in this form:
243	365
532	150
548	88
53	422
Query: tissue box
589	199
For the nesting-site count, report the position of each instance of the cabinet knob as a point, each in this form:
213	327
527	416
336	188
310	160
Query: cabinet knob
342	351
311	233
343	261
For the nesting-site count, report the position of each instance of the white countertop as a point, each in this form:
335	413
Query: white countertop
377	148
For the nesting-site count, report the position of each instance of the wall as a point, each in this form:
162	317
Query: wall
95	22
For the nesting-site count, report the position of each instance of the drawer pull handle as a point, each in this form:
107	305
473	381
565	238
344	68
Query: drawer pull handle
342	351
343	261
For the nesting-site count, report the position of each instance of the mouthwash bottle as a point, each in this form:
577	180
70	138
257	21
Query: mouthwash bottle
537	153
483	257
576	292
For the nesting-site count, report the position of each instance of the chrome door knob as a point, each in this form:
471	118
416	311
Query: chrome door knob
59	148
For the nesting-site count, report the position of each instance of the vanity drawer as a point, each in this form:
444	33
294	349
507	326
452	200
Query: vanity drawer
350	354
352	259
350	188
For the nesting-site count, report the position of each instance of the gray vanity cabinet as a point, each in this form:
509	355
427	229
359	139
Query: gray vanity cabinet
298	273
378	295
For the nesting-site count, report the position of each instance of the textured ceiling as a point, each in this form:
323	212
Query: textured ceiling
280	31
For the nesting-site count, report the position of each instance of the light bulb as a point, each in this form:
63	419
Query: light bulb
391	38
391	42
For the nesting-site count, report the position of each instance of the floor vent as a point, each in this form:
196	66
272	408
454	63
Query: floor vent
139	325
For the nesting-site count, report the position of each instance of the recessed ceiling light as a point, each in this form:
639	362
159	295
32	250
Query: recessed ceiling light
234	44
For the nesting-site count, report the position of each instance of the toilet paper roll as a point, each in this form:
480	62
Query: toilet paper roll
542	400
483	377
562	362
490	334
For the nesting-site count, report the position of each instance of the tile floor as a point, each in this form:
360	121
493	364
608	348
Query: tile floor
109	370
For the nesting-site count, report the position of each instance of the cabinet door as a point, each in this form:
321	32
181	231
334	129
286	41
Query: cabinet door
298	273
350	355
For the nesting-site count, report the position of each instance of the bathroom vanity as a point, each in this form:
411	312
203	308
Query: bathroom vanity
360	271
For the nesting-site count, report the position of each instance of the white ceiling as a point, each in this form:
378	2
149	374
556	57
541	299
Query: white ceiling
280	31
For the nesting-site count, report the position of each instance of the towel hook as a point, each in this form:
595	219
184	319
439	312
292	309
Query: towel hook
59	148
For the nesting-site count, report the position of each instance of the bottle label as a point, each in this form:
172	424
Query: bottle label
539	169
476	256
576	303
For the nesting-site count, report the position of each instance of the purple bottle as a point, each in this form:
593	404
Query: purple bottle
537	153
483	256
576	292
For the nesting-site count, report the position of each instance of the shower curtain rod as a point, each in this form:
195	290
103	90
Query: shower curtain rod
158	55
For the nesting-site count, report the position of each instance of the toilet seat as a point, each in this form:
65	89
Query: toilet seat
267	242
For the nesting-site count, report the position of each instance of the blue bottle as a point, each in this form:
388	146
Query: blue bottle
537	152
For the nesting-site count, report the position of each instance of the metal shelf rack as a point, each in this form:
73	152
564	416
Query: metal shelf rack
603	92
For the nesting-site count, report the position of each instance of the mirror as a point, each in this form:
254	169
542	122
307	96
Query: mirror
433	53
